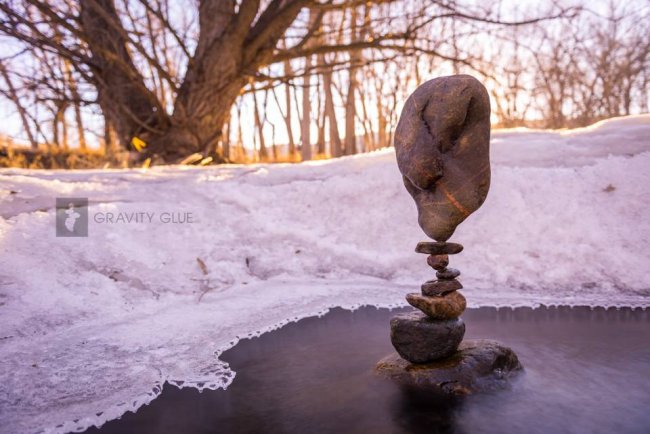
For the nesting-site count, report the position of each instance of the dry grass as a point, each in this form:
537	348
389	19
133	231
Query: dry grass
282	158
53	158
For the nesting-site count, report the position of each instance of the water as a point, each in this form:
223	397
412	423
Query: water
587	371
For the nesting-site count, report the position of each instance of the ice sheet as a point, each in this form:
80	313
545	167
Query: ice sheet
91	327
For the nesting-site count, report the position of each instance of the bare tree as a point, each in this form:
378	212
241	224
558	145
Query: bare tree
170	82
305	123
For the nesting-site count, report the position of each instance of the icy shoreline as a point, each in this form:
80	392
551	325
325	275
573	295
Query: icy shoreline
87	323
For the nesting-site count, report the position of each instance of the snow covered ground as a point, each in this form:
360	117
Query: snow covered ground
91	327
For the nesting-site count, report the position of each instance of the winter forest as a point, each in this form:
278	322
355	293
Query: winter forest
132	83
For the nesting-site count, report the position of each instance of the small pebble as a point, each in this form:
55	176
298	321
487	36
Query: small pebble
438	262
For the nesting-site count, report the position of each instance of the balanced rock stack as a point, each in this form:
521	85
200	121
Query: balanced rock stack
431	353
436	332
442	145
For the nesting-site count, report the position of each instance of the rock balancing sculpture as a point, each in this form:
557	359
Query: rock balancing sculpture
442	143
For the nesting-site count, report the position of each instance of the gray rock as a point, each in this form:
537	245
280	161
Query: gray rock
420	339
477	366
447	274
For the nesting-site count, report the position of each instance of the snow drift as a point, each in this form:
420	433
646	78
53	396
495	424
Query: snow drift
92	327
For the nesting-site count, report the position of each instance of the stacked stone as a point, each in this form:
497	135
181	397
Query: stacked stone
437	330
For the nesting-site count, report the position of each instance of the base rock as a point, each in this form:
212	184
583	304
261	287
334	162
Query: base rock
420	339
477	366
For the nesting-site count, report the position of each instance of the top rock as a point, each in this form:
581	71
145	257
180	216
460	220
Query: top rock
442	142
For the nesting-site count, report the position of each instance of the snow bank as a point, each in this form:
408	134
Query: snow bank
91	327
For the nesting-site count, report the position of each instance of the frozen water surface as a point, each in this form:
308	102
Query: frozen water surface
584	373
92	327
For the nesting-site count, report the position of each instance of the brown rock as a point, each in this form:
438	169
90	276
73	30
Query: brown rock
447	274
438	248
440	287
438	262
442	143
477	366
447	306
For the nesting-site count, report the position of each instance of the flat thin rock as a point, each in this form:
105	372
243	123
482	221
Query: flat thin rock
440	287
477	366
448	306
438	248
420	339
447	274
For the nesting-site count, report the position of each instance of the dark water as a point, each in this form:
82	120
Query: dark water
587	371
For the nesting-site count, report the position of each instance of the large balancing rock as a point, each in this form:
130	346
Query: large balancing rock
420	339
442	142
477	366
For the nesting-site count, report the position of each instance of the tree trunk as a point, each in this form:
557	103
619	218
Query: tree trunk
329	111
305	125
55	128
211	85
381	125
263	154
368	135
81	135
350	103
287	117
235	39
59	126
133	109
241	152
350	114
64	127
76	101
226	140
21	110
320	142
109	141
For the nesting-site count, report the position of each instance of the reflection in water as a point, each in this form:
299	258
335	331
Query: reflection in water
586	371
418	411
